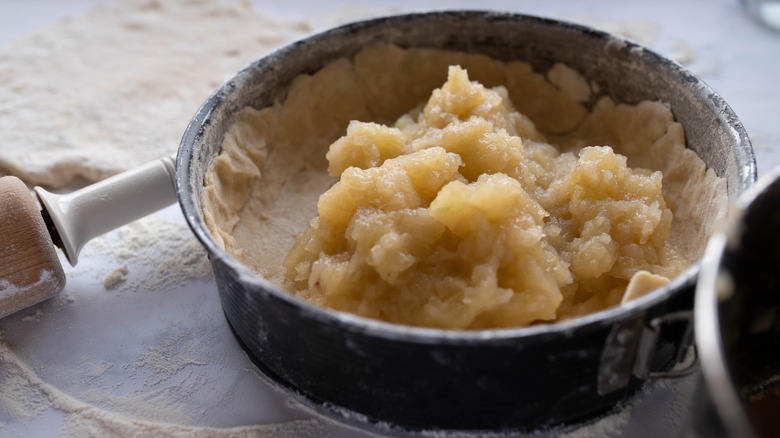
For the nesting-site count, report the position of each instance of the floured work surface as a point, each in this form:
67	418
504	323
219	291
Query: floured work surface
95	95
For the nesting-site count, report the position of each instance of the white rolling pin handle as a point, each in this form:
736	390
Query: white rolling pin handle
99	208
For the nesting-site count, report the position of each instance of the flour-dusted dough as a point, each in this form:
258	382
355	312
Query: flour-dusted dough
108	91
263	189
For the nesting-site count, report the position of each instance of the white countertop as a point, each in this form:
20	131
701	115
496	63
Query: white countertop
157	348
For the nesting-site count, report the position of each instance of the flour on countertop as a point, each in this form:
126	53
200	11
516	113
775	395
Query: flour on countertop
166	248
682	52
681	390
25	396
73	110
608	426
647	33
17	398
94	367
642	32
34	316
168	358
115	277
761	143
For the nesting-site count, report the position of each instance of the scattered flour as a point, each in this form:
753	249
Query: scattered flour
115	277
165	248
647	34
678	410
26	396
168	358
35	316
94	368
682	52
73	110
642	32
609	426
761	142
20	400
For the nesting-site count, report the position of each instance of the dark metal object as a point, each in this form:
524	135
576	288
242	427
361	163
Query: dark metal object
647	347
738	316
511	379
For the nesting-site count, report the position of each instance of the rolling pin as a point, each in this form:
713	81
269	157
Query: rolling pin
30	268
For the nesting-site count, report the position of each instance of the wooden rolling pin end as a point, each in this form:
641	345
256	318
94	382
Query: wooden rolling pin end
30	270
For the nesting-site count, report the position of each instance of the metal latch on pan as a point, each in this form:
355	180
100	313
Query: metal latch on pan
631	347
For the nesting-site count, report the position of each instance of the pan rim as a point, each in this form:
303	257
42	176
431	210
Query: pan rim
189	194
